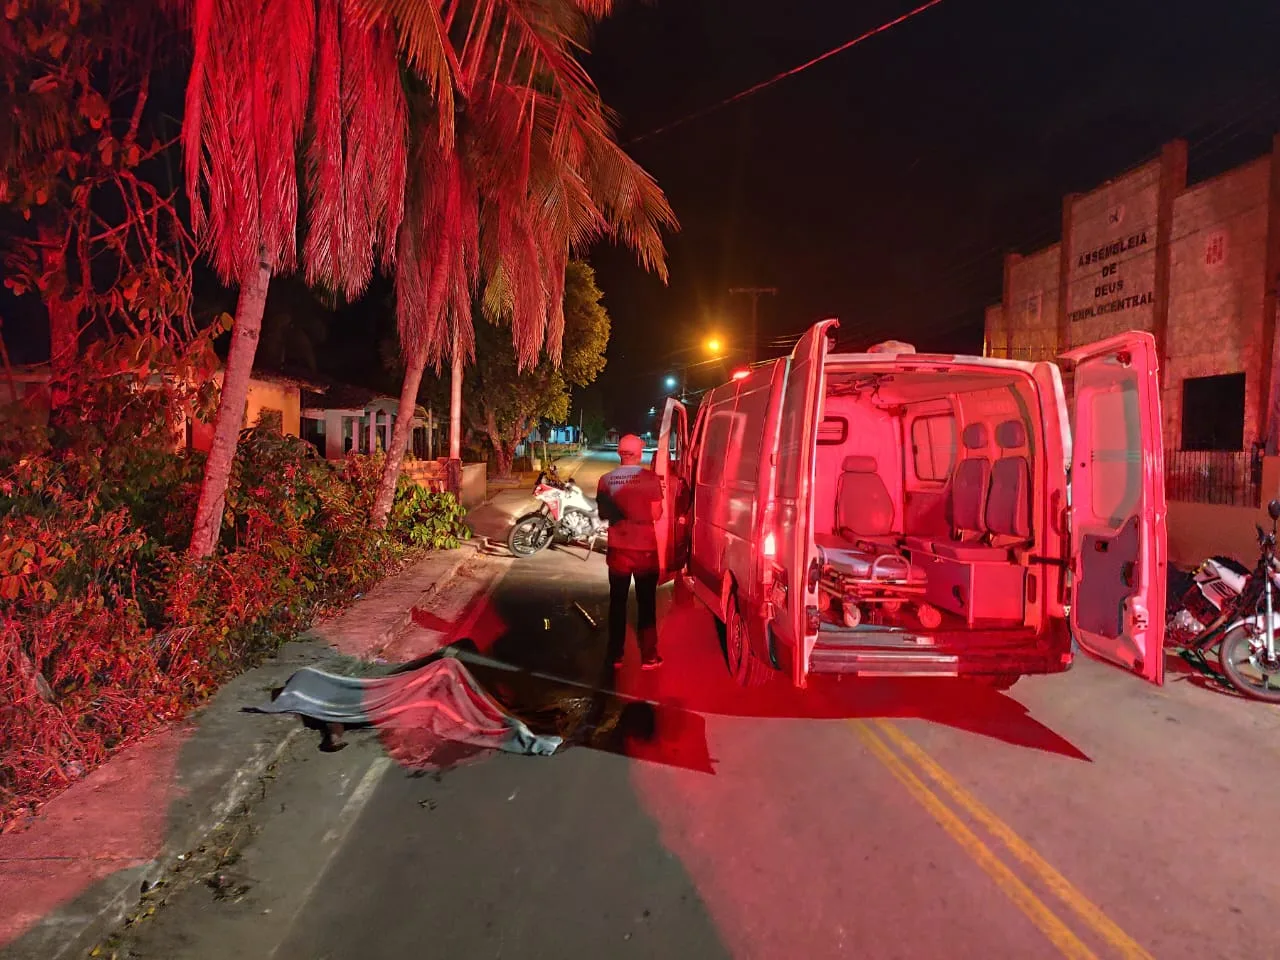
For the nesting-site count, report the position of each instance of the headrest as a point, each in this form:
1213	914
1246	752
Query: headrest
1011	435
974	436
860	464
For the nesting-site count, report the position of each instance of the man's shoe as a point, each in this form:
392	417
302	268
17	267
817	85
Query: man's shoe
651	662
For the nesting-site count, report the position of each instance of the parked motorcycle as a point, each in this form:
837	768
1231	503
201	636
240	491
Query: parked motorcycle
567	514
1238	611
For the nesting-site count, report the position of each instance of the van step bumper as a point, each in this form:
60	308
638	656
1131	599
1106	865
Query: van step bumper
895	662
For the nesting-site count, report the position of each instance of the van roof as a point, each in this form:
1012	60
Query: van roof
917	359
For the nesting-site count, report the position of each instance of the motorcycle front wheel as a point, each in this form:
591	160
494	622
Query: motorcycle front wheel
531	534
1244	661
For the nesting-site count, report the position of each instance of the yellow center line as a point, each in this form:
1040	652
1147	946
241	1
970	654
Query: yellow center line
1091	914
1045	920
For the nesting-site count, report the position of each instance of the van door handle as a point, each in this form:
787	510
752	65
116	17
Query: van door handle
1060	562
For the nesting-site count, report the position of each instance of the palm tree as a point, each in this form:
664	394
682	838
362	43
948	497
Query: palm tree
268	80
533	176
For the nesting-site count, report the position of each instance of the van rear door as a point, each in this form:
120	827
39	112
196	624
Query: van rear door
669	463
1118	511
796	608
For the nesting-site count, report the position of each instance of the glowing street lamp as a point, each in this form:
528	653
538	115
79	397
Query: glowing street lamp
714	345
671	382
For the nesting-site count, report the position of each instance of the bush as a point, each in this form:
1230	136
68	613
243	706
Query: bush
107	628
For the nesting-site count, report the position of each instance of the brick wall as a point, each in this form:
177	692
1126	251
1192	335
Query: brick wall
1031	303
993	330
1215	249
1216	288
1111	257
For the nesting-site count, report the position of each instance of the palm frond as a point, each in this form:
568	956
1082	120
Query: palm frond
535	150
423	37
246	105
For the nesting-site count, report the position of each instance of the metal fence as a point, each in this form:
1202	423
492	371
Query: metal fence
1026	354
1213	476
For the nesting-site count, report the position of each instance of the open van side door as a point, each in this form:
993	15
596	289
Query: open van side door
796	607
670	464
1118	512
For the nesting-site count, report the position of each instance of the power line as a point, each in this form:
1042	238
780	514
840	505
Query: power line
778	78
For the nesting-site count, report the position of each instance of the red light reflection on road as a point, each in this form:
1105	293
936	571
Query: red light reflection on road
801	845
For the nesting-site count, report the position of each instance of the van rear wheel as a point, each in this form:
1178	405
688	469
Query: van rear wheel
745	666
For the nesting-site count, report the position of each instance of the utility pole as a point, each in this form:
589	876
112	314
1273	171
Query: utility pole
754	293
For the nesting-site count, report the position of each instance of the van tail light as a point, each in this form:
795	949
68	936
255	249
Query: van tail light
768	535
769	531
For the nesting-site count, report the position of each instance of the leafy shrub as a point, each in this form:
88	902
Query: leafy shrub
427	519
107	628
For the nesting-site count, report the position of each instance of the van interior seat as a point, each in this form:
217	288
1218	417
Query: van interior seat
864	508
1005	516
966	499
970	485
864	523
1008	511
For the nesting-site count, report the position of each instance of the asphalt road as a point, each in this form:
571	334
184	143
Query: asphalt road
1081	815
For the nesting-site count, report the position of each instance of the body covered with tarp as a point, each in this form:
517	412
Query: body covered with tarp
430	716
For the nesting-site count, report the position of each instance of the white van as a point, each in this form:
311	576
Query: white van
906	514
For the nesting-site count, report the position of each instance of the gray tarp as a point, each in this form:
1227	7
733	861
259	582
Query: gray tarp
417	711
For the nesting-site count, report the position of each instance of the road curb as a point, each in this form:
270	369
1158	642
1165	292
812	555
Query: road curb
73	929
468	551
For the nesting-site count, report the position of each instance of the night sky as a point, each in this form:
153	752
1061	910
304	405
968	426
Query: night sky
885	185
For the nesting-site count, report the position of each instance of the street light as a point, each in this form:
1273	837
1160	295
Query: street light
671	382
713	346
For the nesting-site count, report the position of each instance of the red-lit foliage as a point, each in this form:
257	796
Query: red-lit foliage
106	627
96	230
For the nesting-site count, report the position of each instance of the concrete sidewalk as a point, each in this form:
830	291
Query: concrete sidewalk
74	872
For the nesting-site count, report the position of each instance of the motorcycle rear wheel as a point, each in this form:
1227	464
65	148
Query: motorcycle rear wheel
531	534
1246	668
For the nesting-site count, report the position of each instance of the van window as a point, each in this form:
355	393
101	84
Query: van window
748	438
715	448
933	446
833	431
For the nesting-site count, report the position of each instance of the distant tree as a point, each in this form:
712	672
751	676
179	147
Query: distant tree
588	413
85	174
503	403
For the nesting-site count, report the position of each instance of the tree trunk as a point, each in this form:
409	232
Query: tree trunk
399	440
503	454
455	402
64	345
64	316
455	420
231	407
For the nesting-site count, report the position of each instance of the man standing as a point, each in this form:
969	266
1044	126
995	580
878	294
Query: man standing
630	498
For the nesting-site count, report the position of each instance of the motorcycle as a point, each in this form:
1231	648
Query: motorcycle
1236	610
567	514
